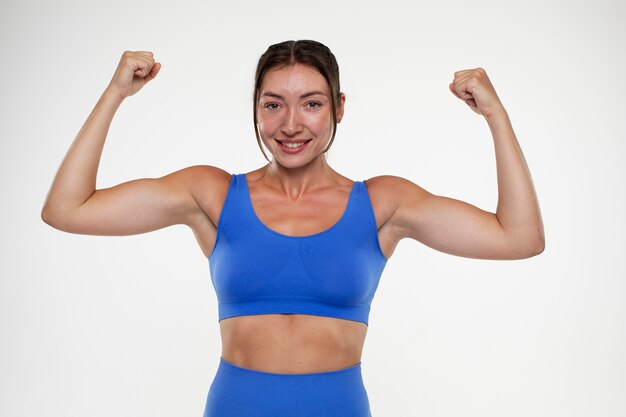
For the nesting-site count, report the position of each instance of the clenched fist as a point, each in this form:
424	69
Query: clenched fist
474	88
135	69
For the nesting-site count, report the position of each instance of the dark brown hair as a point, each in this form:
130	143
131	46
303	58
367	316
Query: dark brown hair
305	52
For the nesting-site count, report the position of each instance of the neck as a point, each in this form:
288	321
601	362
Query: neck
296	181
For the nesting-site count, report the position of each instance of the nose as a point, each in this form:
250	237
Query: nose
292	124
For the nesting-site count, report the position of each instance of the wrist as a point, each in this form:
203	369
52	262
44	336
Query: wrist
113	95
497	116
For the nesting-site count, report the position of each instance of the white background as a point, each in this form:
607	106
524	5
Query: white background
127	326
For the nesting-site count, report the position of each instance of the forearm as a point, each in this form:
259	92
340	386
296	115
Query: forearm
75	180
518	208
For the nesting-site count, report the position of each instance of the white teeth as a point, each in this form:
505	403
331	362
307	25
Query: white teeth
293	145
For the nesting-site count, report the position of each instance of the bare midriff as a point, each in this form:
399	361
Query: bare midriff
292	343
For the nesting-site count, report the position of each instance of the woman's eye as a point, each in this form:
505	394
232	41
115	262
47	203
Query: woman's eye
313	104
271	106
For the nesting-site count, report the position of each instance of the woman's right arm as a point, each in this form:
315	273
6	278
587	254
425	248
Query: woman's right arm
74	205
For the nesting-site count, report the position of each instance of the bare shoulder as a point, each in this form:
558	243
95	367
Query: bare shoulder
208	185
388	183
203	179
204	174
388	193
200	173
393	190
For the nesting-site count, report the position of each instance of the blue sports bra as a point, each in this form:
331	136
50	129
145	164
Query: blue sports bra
256	270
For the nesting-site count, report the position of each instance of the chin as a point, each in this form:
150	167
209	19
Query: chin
292	162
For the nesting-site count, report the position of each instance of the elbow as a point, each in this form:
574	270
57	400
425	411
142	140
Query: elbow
539	241
538	247
47	216
52	217
529	242
532	247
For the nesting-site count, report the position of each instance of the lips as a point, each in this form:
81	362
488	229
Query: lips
292	146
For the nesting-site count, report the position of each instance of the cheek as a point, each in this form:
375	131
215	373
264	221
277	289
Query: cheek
266	126
327	125
319	122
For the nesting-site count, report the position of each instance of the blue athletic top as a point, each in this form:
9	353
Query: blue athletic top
256	270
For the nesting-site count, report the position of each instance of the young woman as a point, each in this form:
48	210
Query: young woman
296	249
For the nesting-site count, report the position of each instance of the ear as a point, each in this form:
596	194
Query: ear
340	107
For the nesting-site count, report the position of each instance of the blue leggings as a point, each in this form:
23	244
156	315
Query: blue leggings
241	392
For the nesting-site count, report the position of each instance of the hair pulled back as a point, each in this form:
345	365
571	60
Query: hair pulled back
305	52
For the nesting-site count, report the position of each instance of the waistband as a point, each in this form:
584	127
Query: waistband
354	369
244	392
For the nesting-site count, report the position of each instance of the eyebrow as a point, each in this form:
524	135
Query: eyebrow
305	95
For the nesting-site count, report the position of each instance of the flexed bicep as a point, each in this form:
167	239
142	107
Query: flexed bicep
133	207
143	205
453	226
406	210
513	231
75	205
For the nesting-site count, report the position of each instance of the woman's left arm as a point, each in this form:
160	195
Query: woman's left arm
514	231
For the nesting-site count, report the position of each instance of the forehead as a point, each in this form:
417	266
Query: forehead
294	79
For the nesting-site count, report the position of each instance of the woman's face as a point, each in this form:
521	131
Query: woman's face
294	114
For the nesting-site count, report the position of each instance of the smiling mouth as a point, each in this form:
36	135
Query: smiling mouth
293	145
